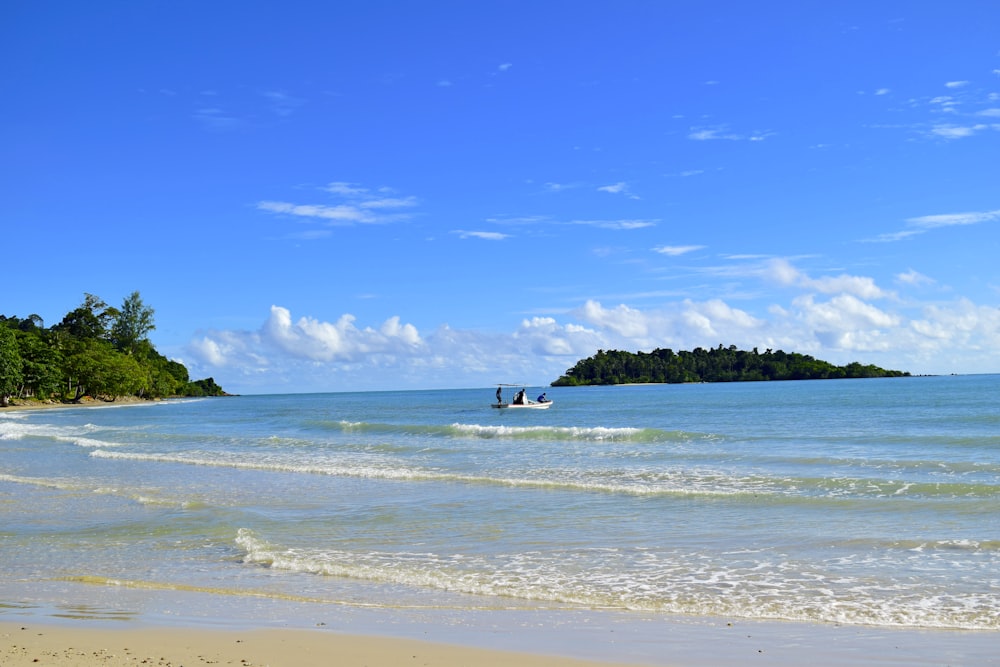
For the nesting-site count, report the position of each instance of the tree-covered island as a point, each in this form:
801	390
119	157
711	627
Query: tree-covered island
722	364
96	350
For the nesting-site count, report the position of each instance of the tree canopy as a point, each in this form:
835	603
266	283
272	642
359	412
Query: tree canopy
722	364
95	350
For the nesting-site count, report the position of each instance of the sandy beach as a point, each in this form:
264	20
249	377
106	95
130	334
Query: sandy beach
33	644
674	643
84	402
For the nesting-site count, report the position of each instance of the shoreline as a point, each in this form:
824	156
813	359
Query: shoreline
591	639
85	402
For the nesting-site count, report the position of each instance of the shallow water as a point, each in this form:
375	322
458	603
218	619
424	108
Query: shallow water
859	502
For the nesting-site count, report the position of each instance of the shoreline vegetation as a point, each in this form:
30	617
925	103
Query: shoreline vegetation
95	351
721	364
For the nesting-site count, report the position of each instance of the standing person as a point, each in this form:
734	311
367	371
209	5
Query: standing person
499	396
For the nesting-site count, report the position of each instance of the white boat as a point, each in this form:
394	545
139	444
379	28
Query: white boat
518	400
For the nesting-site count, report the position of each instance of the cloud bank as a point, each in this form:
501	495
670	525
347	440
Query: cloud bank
836	318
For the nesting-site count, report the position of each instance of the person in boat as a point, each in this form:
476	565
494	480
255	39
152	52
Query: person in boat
499	395
519	398
542	399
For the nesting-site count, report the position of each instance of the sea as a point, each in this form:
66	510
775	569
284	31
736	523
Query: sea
865	506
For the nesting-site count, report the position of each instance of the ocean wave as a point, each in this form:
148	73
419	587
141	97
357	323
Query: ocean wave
76	435
674	482
588	433
749	586
561	433
61	484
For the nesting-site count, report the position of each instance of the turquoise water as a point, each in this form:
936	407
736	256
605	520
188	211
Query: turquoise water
861	502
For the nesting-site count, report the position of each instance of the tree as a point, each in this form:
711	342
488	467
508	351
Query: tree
132	324
10	366
89	320
96	350
41	363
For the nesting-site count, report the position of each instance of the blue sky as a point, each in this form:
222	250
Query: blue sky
329	196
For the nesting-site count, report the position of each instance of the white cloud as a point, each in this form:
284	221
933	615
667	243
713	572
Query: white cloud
308	354
345	189
957	131
946	102
214	352
559	187
956	84
712	133
782	272
925	223
843	313
614	189
721	132
488	236
912	277
389	202
313	340
545	336
620	188
617	224
340	213
675	250
622	320
359	205
952	219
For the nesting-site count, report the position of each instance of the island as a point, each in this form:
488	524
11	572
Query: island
721	364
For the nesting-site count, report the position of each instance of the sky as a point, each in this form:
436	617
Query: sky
375	195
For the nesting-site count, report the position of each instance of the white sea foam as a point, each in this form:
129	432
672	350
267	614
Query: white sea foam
683	483
597	433
661	582
41	482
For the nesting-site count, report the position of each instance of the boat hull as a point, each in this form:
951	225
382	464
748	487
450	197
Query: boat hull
522	406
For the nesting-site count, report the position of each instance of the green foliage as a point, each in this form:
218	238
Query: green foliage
90	320
132	324
699	365
206	387
10	365
95	350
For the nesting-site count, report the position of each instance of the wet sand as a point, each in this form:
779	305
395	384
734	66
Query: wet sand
36	645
